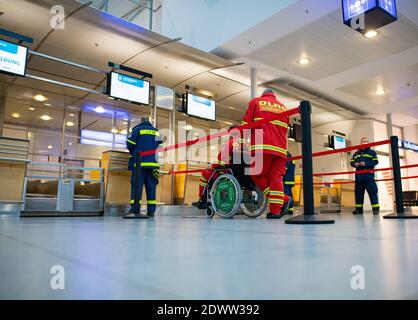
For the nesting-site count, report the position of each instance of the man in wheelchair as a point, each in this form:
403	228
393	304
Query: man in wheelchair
232	145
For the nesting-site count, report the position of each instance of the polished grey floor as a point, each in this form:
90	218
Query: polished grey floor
173	257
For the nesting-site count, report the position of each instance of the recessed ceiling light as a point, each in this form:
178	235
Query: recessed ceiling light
70	143
45	117
40	97
380	91
188	127
304	61
124	132
48	104
71	114
31	108
371	34
70	124
99	109
114	130
125	122
213	147
49	147
16	115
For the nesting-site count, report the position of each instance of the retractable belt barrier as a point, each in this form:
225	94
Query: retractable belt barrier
309	216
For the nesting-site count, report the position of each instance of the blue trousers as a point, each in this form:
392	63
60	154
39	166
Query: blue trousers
288	191
150	183
371	187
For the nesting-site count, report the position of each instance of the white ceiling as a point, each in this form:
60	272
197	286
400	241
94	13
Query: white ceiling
346	67
343	60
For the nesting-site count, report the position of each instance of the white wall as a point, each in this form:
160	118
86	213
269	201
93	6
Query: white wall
411	134
207	24
355	130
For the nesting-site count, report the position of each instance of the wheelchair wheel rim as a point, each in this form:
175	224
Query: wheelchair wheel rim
226	196
255	210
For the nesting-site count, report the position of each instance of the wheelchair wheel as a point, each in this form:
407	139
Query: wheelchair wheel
209	212
254	209
225	196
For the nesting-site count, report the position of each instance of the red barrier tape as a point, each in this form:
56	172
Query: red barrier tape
324	153
361	171
287	113
317	174
351	182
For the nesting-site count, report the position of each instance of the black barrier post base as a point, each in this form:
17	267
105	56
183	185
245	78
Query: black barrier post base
310	219
405	215
309	216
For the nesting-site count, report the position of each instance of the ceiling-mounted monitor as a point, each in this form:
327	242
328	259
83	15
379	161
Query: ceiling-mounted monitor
128	88
338	142
200	107
13	58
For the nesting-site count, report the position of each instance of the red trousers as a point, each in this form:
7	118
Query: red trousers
270	180
204	178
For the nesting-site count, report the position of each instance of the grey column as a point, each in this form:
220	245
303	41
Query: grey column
253	83
2	112
389	126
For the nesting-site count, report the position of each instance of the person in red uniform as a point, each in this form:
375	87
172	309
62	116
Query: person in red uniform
234	143
269	150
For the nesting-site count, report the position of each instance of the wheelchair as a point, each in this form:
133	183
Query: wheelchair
230	190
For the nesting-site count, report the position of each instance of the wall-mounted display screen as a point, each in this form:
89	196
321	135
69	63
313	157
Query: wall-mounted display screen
13	58
200	107
339	142
128	88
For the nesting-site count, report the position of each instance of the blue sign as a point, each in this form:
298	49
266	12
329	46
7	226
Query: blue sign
353	8
408	145
130	80
8	47
202	100
389	6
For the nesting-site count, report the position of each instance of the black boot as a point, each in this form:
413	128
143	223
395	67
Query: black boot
376	211
358	211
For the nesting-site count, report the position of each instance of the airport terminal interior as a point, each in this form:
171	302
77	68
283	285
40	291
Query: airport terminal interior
82	82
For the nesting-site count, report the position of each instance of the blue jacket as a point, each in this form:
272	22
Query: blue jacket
369	157
289	177
144	137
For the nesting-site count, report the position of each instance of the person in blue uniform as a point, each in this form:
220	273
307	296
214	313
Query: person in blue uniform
144	137
364	159
289	180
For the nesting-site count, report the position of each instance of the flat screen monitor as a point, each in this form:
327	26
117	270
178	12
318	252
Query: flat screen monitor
200	107
338	142
129	88
13	58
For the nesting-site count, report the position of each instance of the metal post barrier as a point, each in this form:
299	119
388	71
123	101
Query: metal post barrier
397	181
309	216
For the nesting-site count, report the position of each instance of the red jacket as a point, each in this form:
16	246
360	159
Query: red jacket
275	132
225	154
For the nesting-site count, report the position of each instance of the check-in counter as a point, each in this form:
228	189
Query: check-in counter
345	193
186	186
13	162
298	191
118	180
